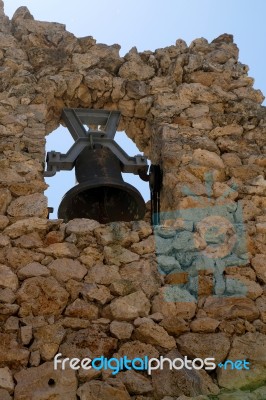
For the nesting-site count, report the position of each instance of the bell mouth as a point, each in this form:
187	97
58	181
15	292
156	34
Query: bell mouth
102	201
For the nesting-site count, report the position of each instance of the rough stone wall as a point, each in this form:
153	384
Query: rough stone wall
88	289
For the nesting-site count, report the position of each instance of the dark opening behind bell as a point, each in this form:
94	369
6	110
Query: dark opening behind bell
101	193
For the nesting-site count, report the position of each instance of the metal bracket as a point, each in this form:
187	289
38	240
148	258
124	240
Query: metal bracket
75	119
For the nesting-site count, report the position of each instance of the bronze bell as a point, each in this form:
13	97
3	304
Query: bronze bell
101	193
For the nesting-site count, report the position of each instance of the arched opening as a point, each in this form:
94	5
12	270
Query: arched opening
61	140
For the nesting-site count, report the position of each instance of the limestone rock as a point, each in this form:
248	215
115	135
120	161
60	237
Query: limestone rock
145	246
33	205
122	287
204	325
41	296
261	305
237	284
136	348
81	226
118	255
19	258
5	200
4	395
90	256
142	228
204	345
102	274
47	340
121	330
64	269
231	308
31	240
175	383
26	334
75	323
136	70
142	274
46	382
82	309
99	293
25	226
154	334
12	354
259	264
135	383
182	309
207	158
4	221
91	342
103	390
6	379
175	326
33	269
61	250
130	307
247	347
7	278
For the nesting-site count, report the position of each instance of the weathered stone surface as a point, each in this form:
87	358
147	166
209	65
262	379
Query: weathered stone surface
90	256
46	382
81	226
61	250
102	274
121	330
41	296
204	345
47	340
26	334
154	334
33	205
122	287
261	305
91	342
17	258
137	349
130	307
145	246
5	200
249	347
64	269
33	269
207	158
118	255
175	326
4	221
259	265
7	278
237	284
6	379
31	240
25	226
5	395
204	325
135	383
102	390
230	308
142	274
98	293
179	309
82	309
175	383
12	354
